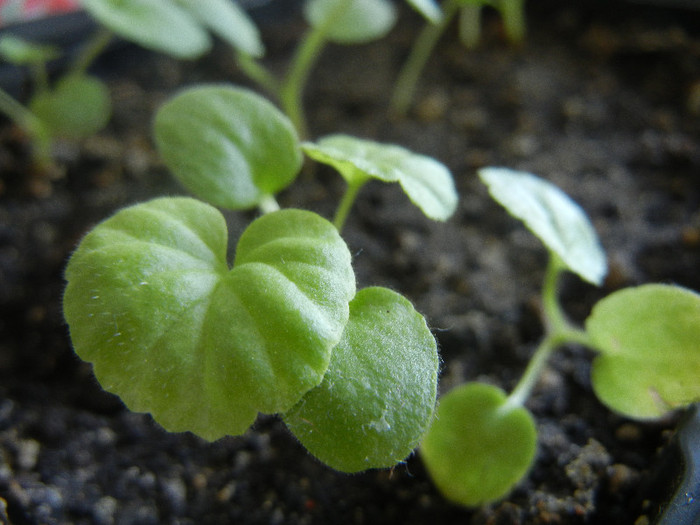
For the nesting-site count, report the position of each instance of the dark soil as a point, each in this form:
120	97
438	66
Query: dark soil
602	100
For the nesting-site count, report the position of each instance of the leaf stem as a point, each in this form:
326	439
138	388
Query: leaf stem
96	45
258	74
415	63
558	331
29	122
513	14
346	203
268	204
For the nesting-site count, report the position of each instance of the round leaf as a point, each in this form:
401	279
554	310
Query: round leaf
77	107
649	343
478	447
228	146
351	21
427	182
151	302
550	214
378	395
160	25
229	21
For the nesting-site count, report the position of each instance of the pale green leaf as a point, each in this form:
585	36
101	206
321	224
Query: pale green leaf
78	106
351	21
378	396
552	216
229	21
478	447
151	302
427	182
227	145
649	343
160	25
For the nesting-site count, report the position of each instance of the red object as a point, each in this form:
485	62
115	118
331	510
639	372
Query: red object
16	11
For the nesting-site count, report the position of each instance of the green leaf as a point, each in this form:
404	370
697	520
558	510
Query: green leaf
479	447
378	396
649	343
351	21
552	216
77	107
228	146
428	8
151	302
160	25
229	21
427	182
21	52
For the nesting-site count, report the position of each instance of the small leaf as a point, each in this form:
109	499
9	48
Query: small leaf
21	52
478	447
427	182
229	21
77	107
228	146
378	396
160	25
150	301
351	21
552	216
649	343
428	8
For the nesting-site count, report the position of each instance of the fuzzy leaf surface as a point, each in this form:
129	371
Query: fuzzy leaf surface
152	304
427	182
227	145
378	395
229	21
478	447
649	343
552	216
351	21
160	25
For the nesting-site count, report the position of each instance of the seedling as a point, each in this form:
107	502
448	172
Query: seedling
75	107
483	441
469	14
181	28
152	303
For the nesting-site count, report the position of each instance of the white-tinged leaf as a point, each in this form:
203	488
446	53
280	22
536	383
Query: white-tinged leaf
427	182
160	25
229	21
559	222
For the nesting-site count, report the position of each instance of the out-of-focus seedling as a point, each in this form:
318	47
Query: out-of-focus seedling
468	13
75	106
647	340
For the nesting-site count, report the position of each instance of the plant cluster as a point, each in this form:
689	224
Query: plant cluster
204	346
646	340
170	328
